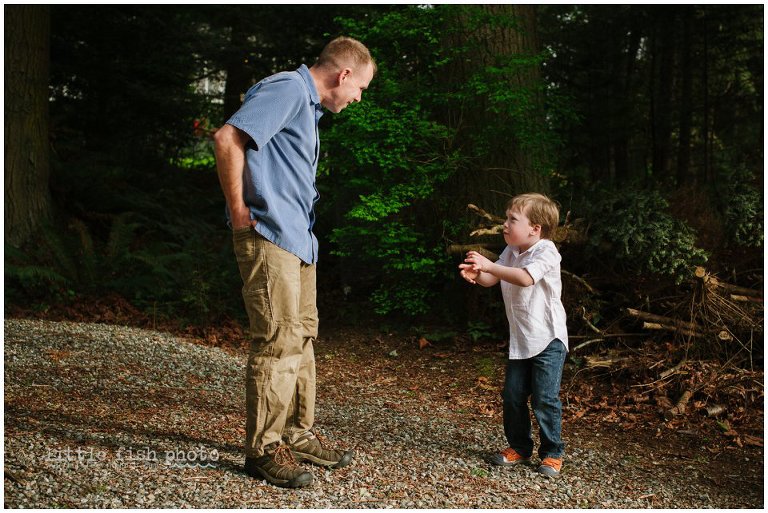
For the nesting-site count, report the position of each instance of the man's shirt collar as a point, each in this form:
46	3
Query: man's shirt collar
313	96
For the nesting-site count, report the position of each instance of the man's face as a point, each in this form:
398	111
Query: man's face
350	86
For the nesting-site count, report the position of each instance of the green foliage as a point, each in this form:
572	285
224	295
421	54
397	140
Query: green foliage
632	229
486	366
24	277
388	158
196	156
479	472
479	330
743	210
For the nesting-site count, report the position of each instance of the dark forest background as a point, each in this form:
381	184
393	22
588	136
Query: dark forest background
644	122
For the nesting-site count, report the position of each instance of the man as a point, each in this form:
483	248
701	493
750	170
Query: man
266	156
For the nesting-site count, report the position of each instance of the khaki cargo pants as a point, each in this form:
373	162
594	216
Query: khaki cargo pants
280	292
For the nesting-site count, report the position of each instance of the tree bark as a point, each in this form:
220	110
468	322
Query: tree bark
686	101
662	117
27	149
238	76
505	167
623	94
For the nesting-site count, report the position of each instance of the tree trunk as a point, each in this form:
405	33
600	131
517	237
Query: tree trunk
686	101
238	76
27	60
662	117
494	34
623	94
705	85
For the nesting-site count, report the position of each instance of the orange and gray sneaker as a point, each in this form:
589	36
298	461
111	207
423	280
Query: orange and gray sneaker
509	457
550	467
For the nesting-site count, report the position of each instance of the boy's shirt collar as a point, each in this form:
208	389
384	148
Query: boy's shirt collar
516	249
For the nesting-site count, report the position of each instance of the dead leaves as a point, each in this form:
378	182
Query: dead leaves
483	384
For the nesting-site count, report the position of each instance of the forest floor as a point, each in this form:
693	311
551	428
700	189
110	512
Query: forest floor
99	415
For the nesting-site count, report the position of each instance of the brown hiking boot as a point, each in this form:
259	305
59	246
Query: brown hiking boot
279	467
309	448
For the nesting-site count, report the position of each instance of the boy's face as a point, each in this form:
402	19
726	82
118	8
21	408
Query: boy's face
518	230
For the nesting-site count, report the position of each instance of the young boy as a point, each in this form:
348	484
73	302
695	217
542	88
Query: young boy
529	272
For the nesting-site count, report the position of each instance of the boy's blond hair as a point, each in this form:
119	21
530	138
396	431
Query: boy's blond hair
344	51
539	209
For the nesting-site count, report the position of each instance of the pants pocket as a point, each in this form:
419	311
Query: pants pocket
244	243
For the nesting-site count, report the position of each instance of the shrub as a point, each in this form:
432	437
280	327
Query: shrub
743	212
633	229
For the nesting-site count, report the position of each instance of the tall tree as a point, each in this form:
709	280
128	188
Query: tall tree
27	196
495	69
686	100
663	68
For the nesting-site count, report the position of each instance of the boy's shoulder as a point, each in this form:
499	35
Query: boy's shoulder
542	246
545	245
544	251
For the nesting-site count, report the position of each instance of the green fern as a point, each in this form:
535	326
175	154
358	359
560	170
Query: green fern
121	235
61	256
88	260
33	275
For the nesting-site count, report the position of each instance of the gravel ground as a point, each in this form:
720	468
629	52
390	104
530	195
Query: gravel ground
107	416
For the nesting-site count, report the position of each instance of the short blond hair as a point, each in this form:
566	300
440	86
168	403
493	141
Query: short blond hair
539	209
345	50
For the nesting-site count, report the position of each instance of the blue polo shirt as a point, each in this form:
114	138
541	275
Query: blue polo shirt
281	114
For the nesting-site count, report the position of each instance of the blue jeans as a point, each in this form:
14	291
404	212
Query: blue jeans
539	378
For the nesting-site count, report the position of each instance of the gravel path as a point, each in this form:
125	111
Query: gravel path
107	416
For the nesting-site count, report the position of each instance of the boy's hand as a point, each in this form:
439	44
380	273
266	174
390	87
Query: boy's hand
478	261
469	273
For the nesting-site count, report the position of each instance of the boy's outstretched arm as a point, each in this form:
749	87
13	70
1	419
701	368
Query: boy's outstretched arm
474	276
490	270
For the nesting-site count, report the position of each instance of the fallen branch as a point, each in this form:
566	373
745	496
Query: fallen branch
711	281
482	213
659	322
580	280
713	410
668	321
744	299
588	342
483	249
595	361
608	335
722	334
683	331
592	326
495	230
674	369
679	408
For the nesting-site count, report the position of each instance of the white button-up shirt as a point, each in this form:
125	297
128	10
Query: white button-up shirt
536	314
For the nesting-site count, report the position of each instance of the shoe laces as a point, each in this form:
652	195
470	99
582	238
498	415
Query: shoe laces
320	439
555	463
284	457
